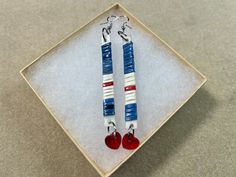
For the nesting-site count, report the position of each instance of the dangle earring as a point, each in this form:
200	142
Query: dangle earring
113	140
129	141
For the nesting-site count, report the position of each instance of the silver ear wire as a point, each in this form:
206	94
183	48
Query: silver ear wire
103	35
106	31
110	20
124	16
122	33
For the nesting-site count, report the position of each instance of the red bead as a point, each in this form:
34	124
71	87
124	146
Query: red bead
130	87
106	84
113	141
130	142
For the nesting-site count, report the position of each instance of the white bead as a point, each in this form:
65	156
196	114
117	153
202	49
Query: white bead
130	83
129	75
108	89
108	78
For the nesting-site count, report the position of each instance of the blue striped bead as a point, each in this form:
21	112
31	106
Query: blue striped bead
128	55
131	112
109	107
107	58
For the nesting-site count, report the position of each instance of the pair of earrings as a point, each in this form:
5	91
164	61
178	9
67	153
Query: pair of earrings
113	140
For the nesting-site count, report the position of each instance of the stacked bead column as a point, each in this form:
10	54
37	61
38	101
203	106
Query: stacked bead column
108	85
129	86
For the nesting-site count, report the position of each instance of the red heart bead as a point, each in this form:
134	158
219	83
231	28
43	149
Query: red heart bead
113	140
130	142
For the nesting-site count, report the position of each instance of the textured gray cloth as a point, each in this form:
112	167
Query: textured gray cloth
197	141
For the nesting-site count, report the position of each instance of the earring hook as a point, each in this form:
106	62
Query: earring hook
124	16
125	23
110	20
122	33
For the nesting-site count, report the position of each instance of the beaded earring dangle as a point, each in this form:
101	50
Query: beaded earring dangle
113	140
129	141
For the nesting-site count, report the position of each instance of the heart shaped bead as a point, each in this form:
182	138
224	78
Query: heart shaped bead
113	140
130	142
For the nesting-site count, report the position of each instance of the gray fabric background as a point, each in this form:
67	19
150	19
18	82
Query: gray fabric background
199	140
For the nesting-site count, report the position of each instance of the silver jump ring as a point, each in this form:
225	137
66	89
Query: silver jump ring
131	129
113	125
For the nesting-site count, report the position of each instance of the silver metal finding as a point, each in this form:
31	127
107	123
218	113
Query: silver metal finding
123	16
122	33
131	129
113	125
110	20
103	33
